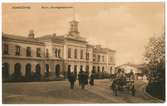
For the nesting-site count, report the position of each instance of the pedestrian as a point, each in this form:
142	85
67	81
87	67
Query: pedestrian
114	87
82	79
79	78
91	82
133	90
72	79
131	75
86	78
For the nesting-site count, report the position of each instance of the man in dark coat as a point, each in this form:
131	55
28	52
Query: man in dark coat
79	78
115	86
82	79
86	78
72	79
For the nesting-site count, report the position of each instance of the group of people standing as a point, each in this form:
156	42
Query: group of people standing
83	79
123	81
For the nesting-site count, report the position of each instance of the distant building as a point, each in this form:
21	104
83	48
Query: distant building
130	67
53	56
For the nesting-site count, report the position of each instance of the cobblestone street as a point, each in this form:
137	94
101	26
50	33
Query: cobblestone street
59	92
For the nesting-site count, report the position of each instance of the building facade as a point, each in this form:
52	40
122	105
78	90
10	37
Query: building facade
51	56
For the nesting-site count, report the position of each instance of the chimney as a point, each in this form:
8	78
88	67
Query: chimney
31	34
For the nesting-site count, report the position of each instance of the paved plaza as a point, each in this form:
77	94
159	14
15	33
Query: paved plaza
60	92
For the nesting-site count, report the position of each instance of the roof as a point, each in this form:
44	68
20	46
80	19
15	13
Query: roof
132	65
51	37
102	50
20	38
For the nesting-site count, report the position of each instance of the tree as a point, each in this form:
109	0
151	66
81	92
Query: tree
155	58
155	54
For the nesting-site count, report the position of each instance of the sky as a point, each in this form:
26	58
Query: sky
124	27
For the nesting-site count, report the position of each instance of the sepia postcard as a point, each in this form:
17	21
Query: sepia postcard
80	53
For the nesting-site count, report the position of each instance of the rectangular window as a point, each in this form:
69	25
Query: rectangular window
75	54
81	54
5	49
98	58
28	51
47	53
103	58
59	52
94	57
75	69
56	52
38	52
17	50
87	56
69	52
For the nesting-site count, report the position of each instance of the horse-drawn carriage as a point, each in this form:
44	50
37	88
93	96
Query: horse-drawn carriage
123	84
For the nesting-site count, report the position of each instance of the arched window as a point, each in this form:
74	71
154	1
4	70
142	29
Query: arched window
5	71
28	51
102	69
69	68
37	75
94	69
17	72
81	68
98	68
38	68
28	75
75	69
47	68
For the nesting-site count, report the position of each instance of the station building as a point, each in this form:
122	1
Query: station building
53	55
